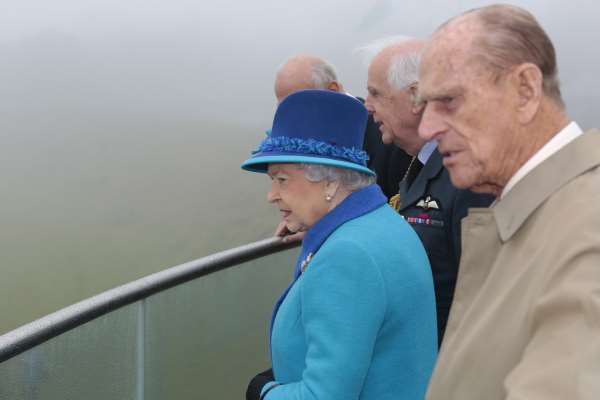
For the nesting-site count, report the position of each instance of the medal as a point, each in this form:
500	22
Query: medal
395	202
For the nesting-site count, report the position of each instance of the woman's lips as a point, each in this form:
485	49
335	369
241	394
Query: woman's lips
285	213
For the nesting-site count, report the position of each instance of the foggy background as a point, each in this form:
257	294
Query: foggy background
123	124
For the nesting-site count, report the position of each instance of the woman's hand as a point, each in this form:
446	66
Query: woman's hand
287	235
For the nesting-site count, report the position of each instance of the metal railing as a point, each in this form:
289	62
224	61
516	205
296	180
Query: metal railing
37	332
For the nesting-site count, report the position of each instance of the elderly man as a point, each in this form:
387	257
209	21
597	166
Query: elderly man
427	199
525	322
310	72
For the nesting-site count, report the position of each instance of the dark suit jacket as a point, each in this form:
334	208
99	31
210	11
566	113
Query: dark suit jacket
435	208
388	161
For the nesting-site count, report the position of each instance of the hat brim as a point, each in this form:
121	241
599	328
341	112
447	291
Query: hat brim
261	163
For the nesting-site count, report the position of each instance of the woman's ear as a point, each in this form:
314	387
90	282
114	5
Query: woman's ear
331	189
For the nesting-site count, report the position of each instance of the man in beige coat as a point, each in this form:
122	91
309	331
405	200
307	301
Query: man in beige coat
525	321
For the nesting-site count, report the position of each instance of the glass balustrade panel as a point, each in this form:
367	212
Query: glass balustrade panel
96	361
205	339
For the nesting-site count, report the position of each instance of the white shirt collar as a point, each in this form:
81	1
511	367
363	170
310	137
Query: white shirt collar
561	139
426	151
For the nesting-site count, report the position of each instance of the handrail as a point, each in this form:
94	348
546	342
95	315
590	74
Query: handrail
34	333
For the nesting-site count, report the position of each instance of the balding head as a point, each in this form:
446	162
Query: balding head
502	36
490	82
392	87
305	72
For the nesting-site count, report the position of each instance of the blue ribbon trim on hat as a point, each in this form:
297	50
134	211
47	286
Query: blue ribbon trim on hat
311	147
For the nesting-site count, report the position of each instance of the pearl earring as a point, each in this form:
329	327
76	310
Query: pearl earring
328	197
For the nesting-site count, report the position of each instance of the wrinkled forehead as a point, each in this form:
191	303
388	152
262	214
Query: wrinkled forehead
458	33
448	56
439	67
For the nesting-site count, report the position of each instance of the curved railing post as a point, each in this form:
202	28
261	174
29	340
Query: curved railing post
140	351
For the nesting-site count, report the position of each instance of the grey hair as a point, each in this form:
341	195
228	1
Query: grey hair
322	74
404	68
511	36
350	179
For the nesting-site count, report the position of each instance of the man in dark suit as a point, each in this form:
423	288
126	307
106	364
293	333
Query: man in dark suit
310	72
435	208
426	199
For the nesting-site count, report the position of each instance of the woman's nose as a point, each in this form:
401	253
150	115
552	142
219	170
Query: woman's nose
272	194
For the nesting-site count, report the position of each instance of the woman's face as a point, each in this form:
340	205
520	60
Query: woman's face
300	201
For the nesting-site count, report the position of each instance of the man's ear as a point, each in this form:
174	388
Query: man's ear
528	82
417	105
334	86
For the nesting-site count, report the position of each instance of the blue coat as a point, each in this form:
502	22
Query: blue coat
359	322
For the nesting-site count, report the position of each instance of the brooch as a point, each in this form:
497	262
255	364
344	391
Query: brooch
305	262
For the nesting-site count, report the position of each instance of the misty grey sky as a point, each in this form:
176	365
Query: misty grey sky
123	123
189	59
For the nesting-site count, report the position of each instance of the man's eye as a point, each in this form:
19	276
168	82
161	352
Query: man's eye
448	102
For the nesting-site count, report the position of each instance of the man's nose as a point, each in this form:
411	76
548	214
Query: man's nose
432	125
369	105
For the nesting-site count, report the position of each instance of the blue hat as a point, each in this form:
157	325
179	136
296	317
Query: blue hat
317	127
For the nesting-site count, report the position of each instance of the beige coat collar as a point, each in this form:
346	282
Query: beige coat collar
530	192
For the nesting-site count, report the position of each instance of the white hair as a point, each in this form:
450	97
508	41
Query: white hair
403	70
350	179
322	74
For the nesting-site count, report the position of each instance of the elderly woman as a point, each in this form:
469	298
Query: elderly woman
358	320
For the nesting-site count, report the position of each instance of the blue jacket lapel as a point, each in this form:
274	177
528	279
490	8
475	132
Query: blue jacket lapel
417	190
